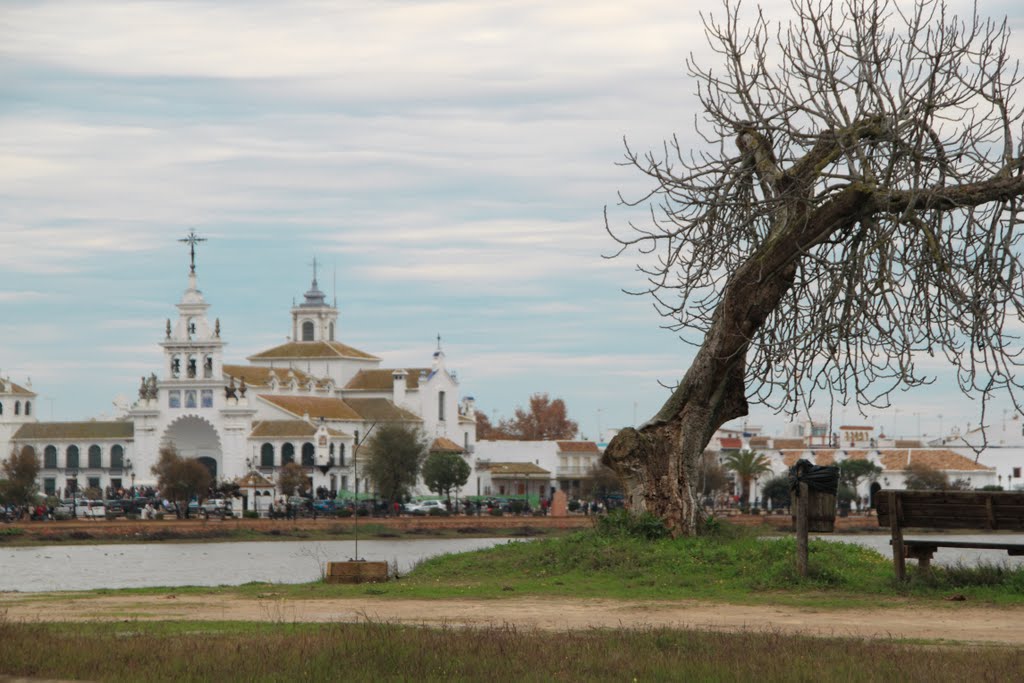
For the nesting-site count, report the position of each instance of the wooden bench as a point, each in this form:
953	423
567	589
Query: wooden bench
967	510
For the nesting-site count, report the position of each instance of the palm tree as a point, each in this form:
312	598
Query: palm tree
747	465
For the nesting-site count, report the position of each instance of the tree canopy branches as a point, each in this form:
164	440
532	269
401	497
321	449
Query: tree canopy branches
877	171
852	213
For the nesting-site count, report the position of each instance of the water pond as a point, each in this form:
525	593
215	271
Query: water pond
943	556
88	567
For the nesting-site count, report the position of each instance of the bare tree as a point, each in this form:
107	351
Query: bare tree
852	211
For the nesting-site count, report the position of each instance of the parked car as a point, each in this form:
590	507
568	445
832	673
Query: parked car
90	509
424	507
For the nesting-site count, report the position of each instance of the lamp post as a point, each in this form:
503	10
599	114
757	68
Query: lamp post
74	493
131	473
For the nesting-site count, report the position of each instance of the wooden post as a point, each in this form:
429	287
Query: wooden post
899	557
802	523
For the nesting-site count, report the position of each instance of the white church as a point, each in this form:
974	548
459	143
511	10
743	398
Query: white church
311	401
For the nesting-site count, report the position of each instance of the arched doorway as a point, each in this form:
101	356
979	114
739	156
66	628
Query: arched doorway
194	437
210	464
875	488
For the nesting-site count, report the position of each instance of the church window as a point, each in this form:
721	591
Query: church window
17	407
267	455
50	457
331	332
344	482
28	407
308	454
71	486
174	399
191	327
50	486
341	455
117	457
176	367
1	407
307	331
287	453
357	438
206	396
95	456
94	482
71	457
192	366
1016	473
208	367
440	406
190	399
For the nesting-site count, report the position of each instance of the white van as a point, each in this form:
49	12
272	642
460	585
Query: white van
91	509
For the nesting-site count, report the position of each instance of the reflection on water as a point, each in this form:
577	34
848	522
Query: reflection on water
946	556
87	567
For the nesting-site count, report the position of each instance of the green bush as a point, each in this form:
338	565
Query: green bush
251	514
344	512
625	523
437	513
496	512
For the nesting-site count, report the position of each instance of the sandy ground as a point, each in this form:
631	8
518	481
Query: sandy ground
953	622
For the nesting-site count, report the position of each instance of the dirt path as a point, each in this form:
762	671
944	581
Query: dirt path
952	623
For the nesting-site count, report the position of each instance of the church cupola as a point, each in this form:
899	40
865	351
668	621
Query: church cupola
192	346
314	320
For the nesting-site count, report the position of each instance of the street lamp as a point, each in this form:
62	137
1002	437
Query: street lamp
131	472
74	493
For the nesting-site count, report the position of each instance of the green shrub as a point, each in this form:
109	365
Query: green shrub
625	523
496	512
251	514
437	513
344	512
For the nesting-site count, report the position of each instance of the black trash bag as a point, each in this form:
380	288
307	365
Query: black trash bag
820	478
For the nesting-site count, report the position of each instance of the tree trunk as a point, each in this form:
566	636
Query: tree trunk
658	463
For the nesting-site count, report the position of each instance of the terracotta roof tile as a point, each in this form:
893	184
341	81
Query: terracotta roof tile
731	442
381	409
317	349
268	429
16	389
382	379
578	447
70	431
859	428
253	480
259	376
937	458
313	406
512	469
443	445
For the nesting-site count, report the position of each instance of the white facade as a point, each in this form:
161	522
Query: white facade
562	465
289	403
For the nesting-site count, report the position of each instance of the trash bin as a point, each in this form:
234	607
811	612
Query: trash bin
822	486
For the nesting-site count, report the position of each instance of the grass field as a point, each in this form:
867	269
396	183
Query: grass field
177	651
617	561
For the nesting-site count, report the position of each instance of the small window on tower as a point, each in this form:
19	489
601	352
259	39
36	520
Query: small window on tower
191	327
330	331
207	398
190	399
307	331
174	399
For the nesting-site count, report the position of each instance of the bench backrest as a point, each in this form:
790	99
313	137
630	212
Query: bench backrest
988	510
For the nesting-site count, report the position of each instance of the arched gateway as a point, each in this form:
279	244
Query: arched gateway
194	437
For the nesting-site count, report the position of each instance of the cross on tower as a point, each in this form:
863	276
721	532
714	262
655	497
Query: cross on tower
314	270
438	341
191	240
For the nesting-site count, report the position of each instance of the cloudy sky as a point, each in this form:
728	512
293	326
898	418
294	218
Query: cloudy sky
448	162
